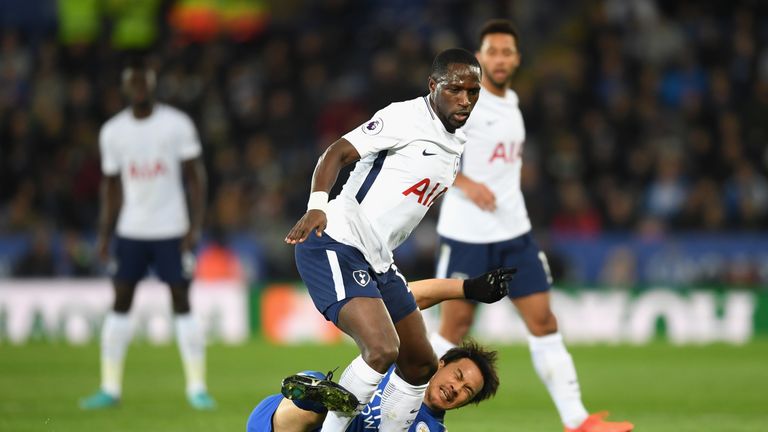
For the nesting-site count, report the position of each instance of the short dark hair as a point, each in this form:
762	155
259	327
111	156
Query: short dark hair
451	56
498	26
485	361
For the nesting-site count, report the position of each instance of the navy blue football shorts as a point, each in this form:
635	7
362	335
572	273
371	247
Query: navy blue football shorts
135	257
336	273
466	260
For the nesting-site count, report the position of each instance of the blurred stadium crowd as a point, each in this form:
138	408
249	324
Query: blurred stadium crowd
642	117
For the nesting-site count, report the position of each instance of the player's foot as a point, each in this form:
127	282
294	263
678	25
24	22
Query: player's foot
99	400
596	423
201	401
314	388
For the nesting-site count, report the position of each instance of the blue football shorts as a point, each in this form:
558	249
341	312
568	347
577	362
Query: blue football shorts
336	273
133	259
466	260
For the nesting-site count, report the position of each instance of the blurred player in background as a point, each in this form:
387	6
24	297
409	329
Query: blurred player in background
484	224
407	155
149	151
465	374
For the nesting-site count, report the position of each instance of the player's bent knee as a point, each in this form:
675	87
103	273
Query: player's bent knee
381	356
543	326
418	373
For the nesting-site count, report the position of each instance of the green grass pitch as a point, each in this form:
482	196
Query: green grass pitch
658	387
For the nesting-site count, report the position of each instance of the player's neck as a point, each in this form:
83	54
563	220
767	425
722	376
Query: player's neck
445	123
432	409
493	88
142	111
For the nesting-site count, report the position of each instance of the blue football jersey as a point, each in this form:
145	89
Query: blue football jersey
370	419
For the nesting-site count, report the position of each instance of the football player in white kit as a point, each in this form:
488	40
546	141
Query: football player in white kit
148	152
407	156
483	224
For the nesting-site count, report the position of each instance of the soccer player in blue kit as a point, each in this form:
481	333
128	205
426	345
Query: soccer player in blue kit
465	374
484	224
407	155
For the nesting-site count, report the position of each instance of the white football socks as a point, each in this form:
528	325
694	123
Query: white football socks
400	403
361	380
440	344
555	367
116	334
191	342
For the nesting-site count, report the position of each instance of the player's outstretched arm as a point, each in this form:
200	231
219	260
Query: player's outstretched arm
486	288
340	153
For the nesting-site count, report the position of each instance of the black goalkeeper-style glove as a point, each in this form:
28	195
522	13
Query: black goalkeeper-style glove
489	287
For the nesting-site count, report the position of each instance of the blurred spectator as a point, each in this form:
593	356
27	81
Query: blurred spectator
38	260
79	259
576	215
216	261
668	189
620	269
746	197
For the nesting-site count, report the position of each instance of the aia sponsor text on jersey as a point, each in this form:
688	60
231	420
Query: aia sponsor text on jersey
425	192
507	153
147	170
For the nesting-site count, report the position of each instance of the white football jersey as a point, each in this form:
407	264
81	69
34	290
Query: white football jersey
147	153
493	155
407	160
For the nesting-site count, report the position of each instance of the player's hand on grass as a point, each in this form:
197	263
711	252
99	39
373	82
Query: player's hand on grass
489	287
480	194
313	220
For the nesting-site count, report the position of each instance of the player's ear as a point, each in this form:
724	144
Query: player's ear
432	85
440	364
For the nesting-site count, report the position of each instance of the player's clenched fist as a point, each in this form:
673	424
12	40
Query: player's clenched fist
312	220
489	287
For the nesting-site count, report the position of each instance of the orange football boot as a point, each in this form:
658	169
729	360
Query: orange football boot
596	423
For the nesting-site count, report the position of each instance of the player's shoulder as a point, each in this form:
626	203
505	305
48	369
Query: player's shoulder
511	97
171	111
122	117
403	110
405	116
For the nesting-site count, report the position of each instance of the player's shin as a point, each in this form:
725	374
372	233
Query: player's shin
191	343
554	366
400	403
115	337
360	379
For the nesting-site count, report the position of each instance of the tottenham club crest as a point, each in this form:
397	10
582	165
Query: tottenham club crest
373	127
361	277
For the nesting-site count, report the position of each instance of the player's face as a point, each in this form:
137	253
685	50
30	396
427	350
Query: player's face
499	58
455	94
454	384
138	85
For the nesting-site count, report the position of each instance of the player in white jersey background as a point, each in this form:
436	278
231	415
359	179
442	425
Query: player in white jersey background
149	152
407	155
483	224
